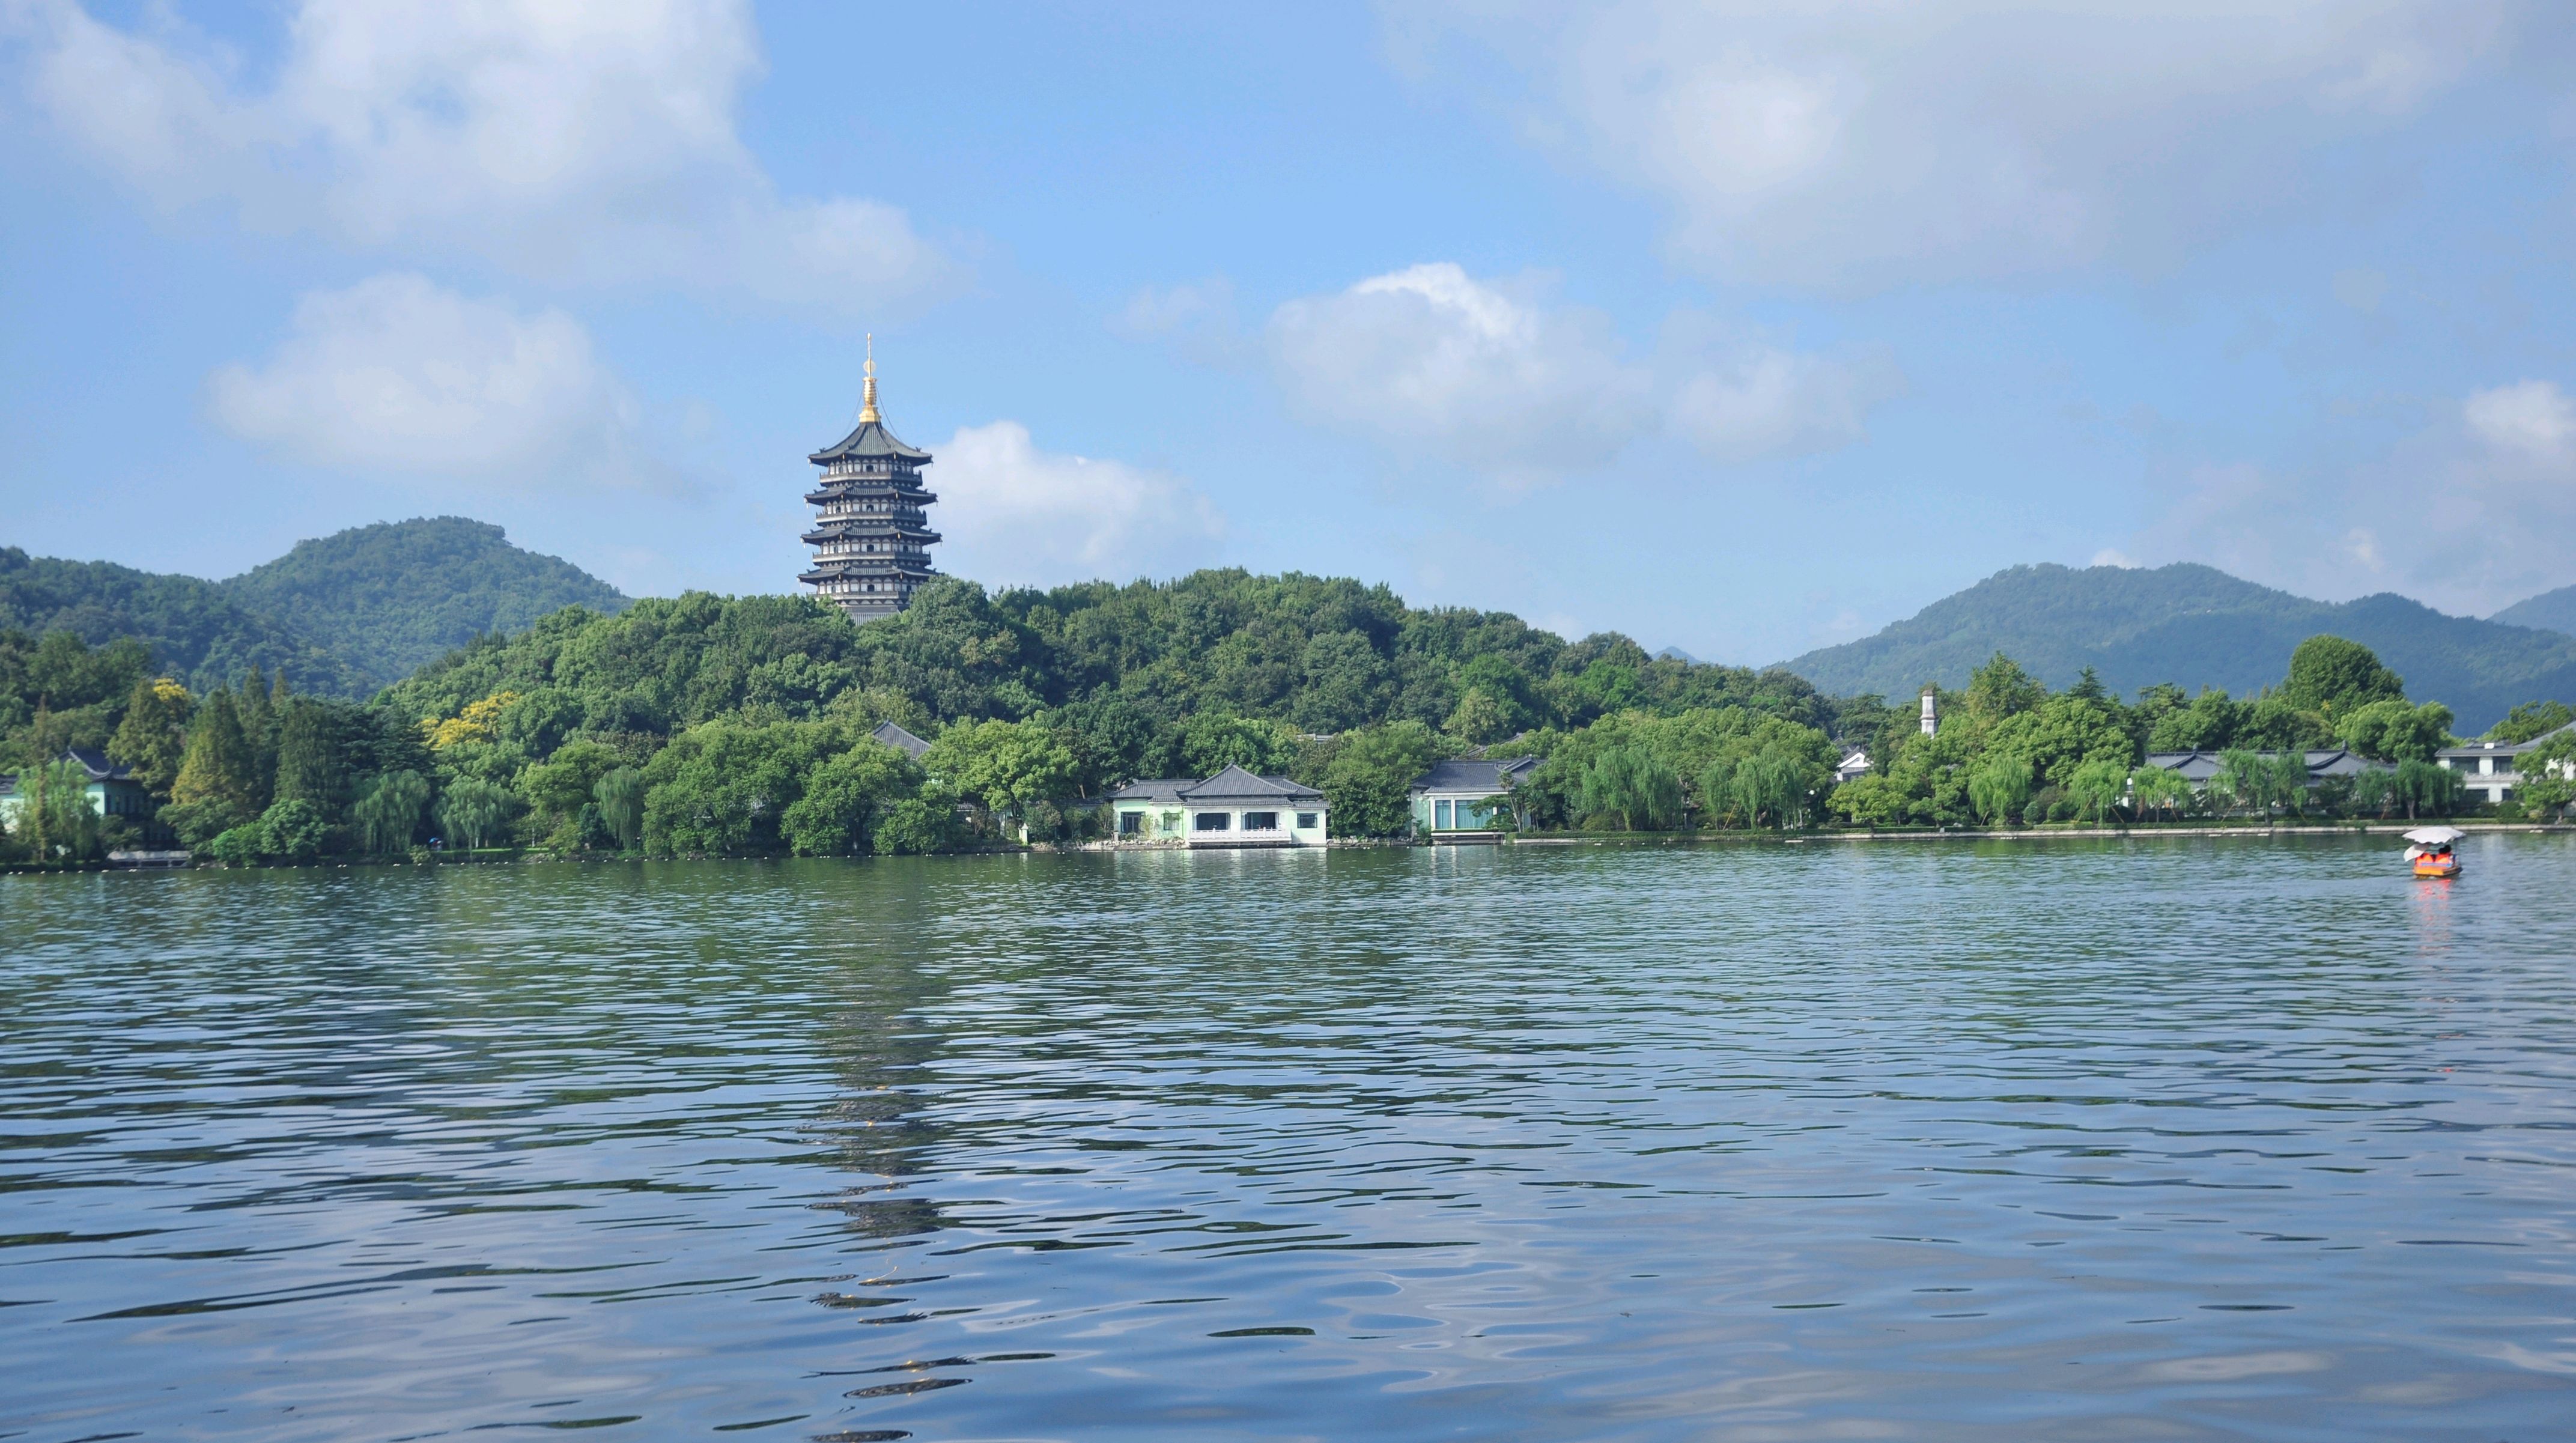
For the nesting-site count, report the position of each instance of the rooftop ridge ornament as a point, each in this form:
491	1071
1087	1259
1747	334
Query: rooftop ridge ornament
868	386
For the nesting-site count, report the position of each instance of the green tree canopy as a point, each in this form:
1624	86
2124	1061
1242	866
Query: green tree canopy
723	787
619	795
152	738
2332	676
2000	689
1368	777
2392	731
1005	767
218	764
847	799
2002	787
389	811
474	812
2531	719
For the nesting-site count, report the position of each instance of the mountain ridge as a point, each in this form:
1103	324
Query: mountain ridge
344	614
2549	611
2194	626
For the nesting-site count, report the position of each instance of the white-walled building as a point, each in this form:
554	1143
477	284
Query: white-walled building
1234	808
2490	770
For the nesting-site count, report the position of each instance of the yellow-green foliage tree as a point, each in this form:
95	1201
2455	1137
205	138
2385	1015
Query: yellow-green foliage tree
153	736
218	766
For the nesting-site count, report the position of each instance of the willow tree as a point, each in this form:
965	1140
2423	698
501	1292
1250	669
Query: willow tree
619	796
2001	787
1630	784
389	811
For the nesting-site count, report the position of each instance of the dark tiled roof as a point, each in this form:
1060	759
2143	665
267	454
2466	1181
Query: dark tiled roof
1484	778
901	740
1236	784
871	439
95	762
2322	762
90	760
2501	749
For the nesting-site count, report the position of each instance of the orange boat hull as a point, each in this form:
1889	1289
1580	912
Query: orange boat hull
2446	867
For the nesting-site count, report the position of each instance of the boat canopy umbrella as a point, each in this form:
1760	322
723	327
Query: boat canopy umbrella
2435	836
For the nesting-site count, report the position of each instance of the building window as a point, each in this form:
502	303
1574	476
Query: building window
1261	821
1306	821
1212	821
1130	823
1440	816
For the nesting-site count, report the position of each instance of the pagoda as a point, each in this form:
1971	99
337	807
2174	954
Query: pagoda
871	539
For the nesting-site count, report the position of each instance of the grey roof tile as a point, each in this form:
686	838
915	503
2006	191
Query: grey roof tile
870	439
901	740
1467	774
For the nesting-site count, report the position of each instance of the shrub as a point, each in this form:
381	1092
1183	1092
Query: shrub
291	829
916	825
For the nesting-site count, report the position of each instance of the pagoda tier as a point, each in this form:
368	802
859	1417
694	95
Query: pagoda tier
871	536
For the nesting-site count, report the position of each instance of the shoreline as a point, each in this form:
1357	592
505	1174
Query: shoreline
1595	839
2023	834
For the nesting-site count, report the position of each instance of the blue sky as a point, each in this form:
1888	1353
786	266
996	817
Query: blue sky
1743	328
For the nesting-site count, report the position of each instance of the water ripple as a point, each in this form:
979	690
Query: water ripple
2213	1138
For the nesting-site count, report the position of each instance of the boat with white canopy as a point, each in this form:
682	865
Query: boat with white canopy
2430	851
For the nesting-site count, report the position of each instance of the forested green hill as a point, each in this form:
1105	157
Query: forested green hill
2549	611
194	630
393	597
2194	626
1123	662
342	616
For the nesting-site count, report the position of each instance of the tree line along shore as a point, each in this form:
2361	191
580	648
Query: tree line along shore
706	725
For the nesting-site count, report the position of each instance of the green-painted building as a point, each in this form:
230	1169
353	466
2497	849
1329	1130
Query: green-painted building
113	791
1457	797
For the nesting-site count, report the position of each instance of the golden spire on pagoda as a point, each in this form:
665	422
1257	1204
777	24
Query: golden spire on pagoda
868	388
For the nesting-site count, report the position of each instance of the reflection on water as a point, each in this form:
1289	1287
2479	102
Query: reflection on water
2170	1139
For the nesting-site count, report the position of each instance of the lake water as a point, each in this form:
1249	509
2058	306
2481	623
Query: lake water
2149	1140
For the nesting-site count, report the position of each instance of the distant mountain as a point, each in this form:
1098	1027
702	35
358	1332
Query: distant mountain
2549	611
343	615
393	597
195	630
1675	653
2196	626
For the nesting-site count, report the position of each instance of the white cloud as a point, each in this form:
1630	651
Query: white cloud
1863	143
2469	515
1017	515
1488	375
1429	360
1775	403
395	375
1198	318
585	141
2533	420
